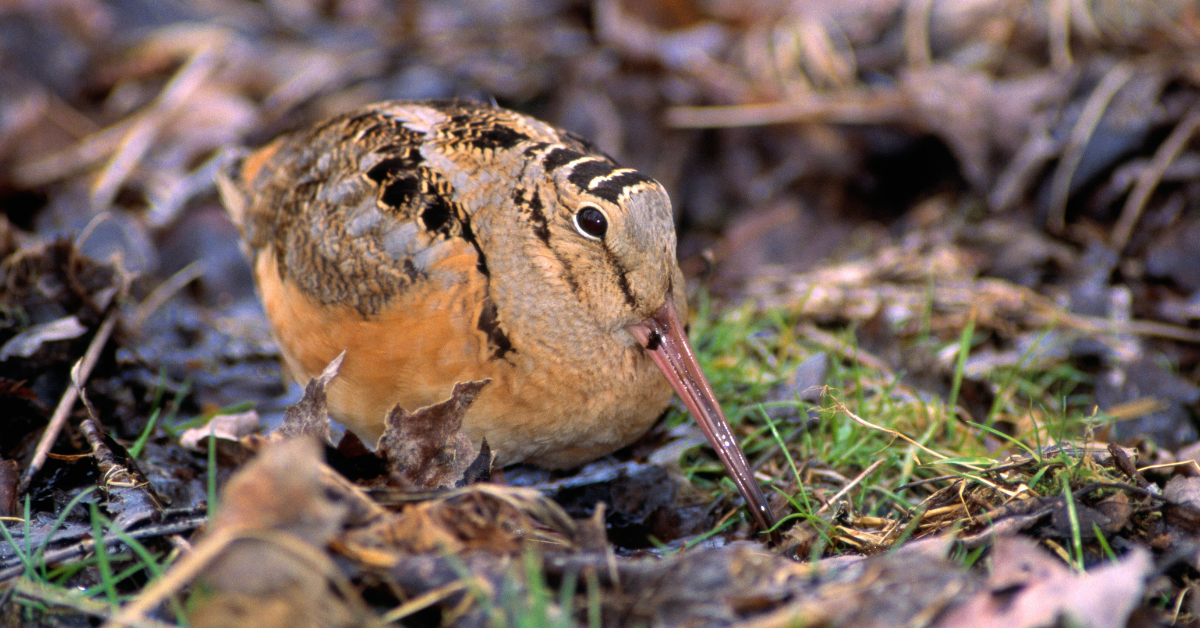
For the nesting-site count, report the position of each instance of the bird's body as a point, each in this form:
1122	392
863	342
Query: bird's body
445	242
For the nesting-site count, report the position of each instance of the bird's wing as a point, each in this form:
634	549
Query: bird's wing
350	210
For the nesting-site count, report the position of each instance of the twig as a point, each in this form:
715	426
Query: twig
1046	311
865	106
79	374
424	601
1059	33
853	355
85	546
1030	160
1149	178
163	293
131	498
1081	134
181	573
1004	527
79	156
91	227
863	422
140	137
846	489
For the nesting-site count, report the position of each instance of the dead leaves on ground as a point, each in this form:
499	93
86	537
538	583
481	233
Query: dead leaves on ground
1029	587
287	519
295	543
263	561
292	545
1075	116
269	557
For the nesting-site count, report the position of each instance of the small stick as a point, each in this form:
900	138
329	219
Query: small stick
106	544
139	139
1089	119
1149	178
1059	34
846	489
79	374
863	106
895	434
163	293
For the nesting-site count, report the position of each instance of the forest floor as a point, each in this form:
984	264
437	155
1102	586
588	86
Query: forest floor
944	270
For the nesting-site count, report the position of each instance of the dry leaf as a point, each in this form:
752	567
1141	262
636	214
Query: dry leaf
1028	587
226	427
310	415
428	449
271	566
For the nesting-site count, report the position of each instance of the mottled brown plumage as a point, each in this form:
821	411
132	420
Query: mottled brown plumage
445	242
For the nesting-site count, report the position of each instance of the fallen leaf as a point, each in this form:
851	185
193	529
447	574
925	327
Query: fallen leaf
310	415
487	517
1028	587
271	566
1183	502
428	449
30	340
226	427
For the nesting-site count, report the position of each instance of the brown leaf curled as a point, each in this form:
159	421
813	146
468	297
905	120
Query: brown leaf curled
428	449
310	415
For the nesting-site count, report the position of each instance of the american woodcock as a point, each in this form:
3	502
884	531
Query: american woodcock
444	242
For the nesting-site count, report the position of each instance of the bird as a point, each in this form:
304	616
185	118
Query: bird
438	242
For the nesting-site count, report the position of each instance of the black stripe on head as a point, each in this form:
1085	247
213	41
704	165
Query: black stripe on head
559	157
623	283
585	171
610	189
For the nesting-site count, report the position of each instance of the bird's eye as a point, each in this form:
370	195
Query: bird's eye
591	222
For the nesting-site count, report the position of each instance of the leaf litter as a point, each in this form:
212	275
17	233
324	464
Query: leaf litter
974	225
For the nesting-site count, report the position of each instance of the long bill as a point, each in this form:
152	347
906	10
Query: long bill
663	338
